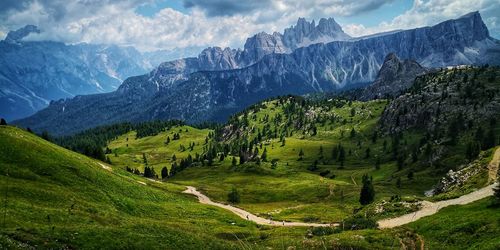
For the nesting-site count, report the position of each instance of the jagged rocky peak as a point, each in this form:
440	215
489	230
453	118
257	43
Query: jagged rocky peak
263	43
305	33
18	35
216	58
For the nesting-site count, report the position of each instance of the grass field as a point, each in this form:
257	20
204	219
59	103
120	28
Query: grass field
288	190
53	198
472	226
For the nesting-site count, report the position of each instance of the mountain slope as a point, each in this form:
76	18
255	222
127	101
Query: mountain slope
394	77
173	91
55	198
34	73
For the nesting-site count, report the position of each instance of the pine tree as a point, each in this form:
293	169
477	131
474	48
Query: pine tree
164	172
335	152
341	158
353	133
174	158
377	163
367	194
174	169
264	155
233	196
3	122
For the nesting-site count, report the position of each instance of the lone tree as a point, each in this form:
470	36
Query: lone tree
3	122
164	172
367	194
233	196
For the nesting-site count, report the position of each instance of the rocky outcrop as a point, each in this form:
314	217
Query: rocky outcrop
395	77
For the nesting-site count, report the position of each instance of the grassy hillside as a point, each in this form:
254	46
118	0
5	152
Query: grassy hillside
302	175
290	159
53	198
288	189
472	226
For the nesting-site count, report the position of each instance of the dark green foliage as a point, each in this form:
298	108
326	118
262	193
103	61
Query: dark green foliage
497	193
472	150
92	142
322	231
367	194
3	122
314	166
46	136
410	175
164	172
359	222
264	155
233	196
149	172
341	157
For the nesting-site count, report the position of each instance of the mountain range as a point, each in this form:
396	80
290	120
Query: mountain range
33	73
220	82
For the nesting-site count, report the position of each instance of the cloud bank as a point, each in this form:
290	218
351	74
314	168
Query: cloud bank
213	22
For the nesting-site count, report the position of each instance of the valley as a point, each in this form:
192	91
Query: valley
290	160
319	136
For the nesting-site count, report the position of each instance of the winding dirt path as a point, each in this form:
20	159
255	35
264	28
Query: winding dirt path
248	216
430	208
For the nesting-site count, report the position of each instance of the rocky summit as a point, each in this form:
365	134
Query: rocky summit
207	89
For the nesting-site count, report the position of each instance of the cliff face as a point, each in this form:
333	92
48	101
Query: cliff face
199	90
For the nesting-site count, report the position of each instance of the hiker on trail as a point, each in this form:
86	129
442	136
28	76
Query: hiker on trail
283	223
247	217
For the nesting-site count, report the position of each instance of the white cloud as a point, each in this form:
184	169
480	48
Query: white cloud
430	12
116	22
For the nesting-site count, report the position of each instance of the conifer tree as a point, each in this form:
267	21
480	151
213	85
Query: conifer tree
367	194
164	172
264	155
3	122
233	196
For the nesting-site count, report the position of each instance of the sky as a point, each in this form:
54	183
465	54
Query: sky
170	24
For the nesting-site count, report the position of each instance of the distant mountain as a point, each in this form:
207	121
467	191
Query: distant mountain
394	77
302	34
216	83
34	73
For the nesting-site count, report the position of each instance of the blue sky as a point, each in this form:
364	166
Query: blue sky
367	18
178	24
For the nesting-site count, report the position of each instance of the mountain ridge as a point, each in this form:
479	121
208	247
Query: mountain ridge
213	95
